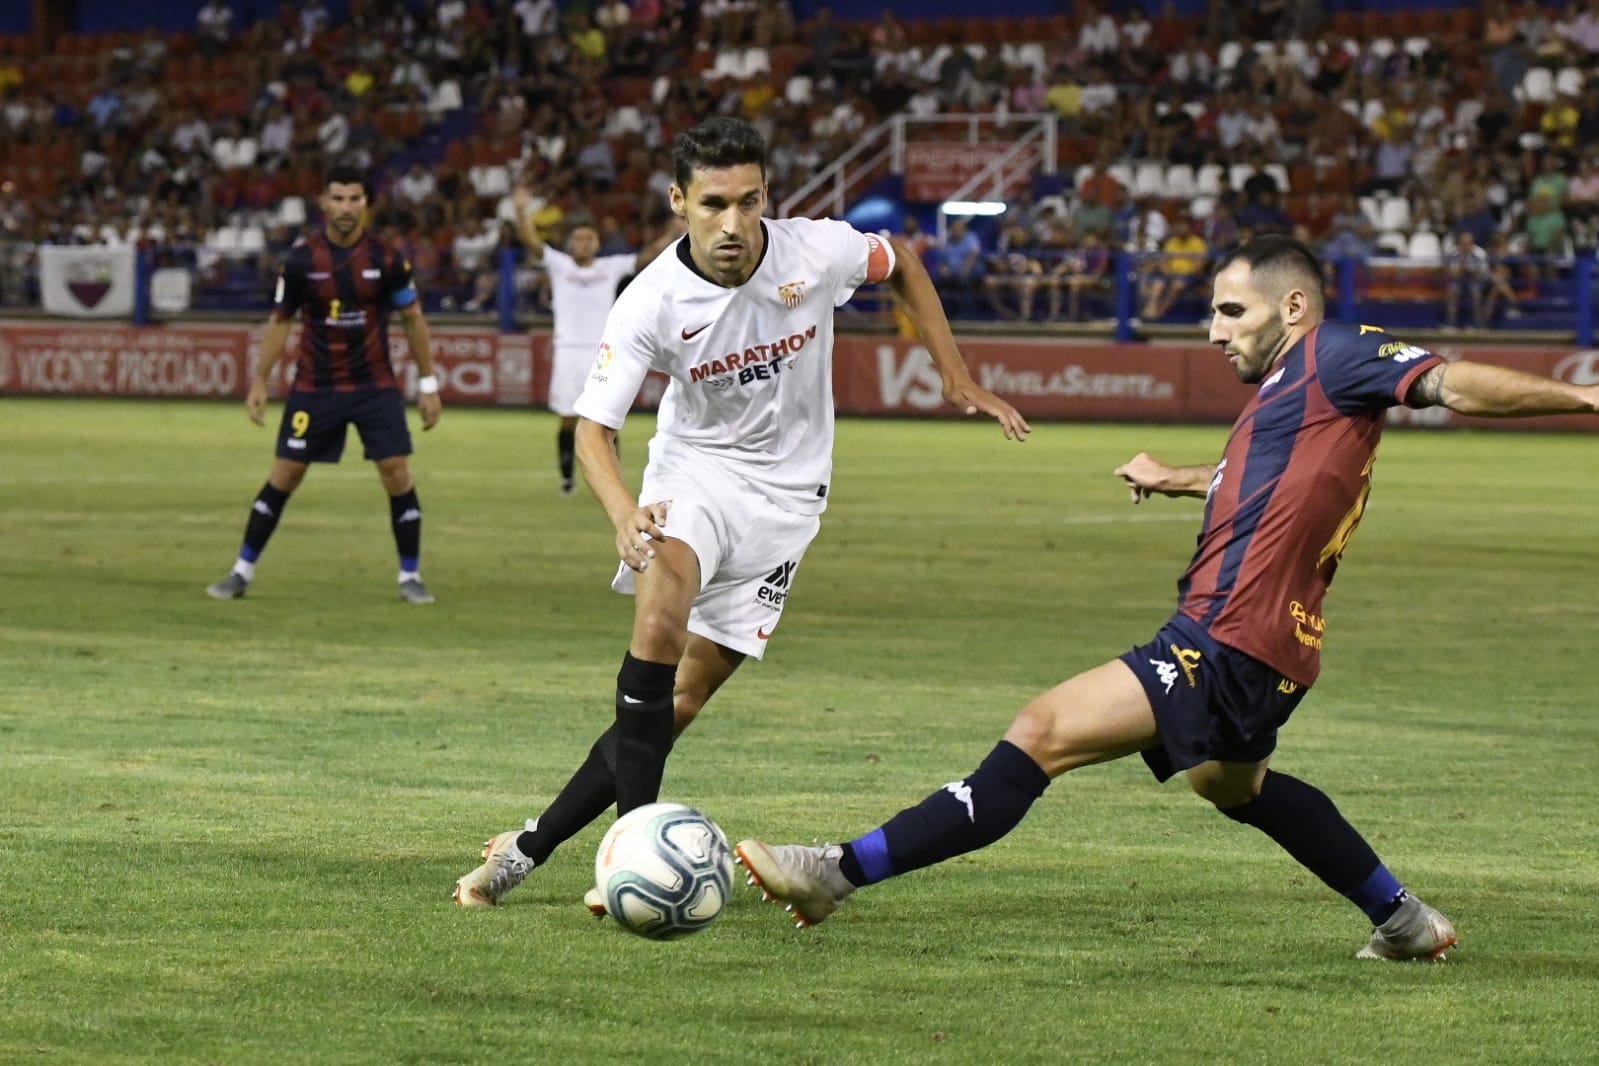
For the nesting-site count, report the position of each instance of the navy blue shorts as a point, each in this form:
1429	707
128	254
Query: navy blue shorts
1210	701
315	424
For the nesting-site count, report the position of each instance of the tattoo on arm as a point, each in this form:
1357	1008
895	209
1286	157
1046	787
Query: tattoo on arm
1428	390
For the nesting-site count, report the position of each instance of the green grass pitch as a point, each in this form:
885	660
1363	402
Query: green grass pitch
231	829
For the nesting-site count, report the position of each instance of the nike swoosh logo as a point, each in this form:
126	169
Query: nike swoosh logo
690	334
763	634
630	699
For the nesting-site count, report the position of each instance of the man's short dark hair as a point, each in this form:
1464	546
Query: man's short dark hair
346	174
1277	261
716	142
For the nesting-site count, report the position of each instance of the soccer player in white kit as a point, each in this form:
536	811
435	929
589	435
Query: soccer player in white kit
582	287
740	316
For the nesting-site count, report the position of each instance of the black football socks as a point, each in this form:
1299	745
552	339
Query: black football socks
644	729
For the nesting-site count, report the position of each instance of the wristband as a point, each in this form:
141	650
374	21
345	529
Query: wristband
428	386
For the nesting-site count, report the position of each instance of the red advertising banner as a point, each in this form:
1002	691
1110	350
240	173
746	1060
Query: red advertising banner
1044	378
936	170
1047	379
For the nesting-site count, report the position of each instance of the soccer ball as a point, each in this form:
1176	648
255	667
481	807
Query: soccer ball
665	871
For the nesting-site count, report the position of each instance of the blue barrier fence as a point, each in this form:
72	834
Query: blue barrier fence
1507	296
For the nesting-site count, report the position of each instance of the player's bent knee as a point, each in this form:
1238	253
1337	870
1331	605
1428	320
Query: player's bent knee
1225	787
659	636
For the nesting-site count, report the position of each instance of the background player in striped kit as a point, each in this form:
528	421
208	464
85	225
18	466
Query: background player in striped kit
344	283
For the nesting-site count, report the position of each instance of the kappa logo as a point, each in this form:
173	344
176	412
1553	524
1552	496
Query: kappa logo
690	334
791	294
1166	672
963	792
774	587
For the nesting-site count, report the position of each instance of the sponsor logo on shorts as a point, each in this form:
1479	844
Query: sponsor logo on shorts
296	444
762	633
1287	687
1188	659
774	587
1166	672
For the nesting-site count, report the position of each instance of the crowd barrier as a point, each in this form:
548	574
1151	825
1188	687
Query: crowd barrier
873	375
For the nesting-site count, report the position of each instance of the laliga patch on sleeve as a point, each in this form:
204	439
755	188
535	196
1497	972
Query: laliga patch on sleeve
879	258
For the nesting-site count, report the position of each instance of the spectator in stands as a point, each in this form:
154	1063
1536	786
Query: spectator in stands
1084	269
915	238
1560	120
1509	53
958	261
213	28
1351	234
1099	37
1182	268
1467	279
1545	229
1014	271
1476	217
1552	180
1582	195
1501	292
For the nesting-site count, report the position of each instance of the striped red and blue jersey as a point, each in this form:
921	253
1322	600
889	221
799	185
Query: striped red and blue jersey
344	296
1289	491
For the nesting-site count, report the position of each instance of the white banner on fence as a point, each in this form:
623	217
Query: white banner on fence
88	281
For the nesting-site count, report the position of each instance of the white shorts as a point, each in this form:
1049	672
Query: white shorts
748	548
569	372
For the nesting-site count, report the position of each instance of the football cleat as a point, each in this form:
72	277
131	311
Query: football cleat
1416	933
806	880
594	902
504	867
231	587
413	591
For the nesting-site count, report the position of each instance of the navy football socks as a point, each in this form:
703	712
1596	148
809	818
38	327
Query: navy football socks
1306	823
960	817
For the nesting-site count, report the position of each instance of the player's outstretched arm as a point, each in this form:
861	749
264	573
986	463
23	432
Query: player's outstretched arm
1145	476
602	471
420	340
522	197
1499	392
274	339
914	286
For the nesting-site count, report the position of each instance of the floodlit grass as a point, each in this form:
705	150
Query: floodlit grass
232	828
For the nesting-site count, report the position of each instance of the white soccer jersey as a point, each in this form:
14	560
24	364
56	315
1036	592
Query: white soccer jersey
583	295
751	367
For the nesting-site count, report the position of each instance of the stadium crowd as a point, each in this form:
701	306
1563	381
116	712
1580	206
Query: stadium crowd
1452	141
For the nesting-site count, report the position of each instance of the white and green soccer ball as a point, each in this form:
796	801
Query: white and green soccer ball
664	870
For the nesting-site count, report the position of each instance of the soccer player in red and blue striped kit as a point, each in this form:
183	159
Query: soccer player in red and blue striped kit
1207	696
343	283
